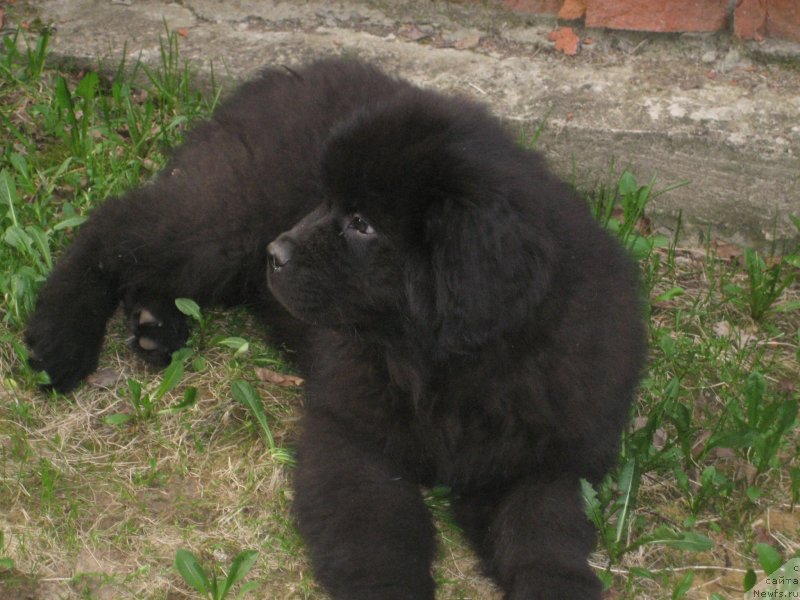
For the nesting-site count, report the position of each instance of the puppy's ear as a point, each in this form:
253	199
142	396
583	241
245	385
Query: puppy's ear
490	266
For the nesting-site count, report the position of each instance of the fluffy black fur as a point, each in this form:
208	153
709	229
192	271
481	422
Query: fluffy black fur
459	317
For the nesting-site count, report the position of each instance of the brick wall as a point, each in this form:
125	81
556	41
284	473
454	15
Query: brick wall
750	19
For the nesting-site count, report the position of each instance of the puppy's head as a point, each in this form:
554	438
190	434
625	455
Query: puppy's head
425	228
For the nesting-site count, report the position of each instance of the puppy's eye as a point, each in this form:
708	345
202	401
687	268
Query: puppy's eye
360	225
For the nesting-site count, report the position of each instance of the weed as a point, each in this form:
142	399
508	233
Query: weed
757	426
191	309
765	283
620	208
769	558
530	140
145	404
247	395
213	588
30	68
683	586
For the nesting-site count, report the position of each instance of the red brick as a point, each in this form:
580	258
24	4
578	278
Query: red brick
550	7
657	15
572	9
750	19
566	40
783	19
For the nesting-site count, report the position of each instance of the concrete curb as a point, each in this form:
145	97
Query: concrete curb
700	108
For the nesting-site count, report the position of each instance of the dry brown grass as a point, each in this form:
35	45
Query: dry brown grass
91	510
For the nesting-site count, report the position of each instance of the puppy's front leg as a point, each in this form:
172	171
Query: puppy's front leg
369	533
534	538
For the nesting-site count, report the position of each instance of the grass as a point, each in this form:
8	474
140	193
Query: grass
104	492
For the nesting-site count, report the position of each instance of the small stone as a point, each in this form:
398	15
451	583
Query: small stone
104	378
467	42
709	57
733	60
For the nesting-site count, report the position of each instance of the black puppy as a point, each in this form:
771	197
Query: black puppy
459	317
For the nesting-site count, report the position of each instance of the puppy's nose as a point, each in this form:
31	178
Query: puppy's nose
280	252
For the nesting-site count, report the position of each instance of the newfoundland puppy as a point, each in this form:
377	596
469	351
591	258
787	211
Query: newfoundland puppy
459	318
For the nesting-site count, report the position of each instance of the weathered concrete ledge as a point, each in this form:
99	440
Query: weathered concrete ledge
701	108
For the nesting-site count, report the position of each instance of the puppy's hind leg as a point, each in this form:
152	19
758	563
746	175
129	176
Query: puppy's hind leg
158	328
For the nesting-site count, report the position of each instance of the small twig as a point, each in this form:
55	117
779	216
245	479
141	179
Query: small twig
622	571
482	91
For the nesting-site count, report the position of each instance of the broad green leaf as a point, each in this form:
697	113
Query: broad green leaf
135	389
240	566
627	183
189	400
64	98
20	164
791	305
683	586
117	419
644	573
8	194
42	242
749	579
683	540
248	587
192	572
627	486
240	345
70	222
753	493
87	86
189	307
669	294
593	509
769	558
16	237
172	377
606	578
